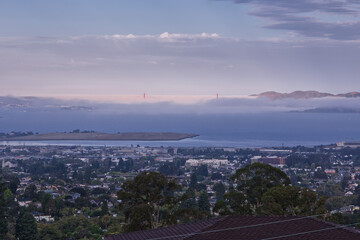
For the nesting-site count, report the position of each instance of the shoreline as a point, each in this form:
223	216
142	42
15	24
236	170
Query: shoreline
136	136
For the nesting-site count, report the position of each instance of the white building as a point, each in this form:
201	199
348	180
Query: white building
215	163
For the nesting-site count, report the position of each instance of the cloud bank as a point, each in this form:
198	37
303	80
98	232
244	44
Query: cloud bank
223	105
327	19
173	64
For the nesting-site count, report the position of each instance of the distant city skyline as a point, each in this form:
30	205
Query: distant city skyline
107	48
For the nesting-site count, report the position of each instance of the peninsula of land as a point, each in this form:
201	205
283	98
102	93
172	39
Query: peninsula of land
97	136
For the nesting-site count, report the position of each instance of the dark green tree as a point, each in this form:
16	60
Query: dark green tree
320	174
49	232
3	210
345	182
292	201
74	227
80	190
144	198
30	192
216	176
168	168
190	201
47	203
256	179
219	190
188	210
87	175
200	187
59	205
202	170
104	208
330	189
221	207
203	202
26	227
252	181
193	181
13	184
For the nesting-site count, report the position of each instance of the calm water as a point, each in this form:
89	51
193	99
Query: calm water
242	130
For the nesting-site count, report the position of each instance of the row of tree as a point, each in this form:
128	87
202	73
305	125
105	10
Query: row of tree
25	227
152	200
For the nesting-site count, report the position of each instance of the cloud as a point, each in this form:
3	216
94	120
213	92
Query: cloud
327	19
336	31
165	36
179	64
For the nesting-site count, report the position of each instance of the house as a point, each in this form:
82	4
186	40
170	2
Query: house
247	228
349	209
215	163
8	164
74	196
24	202
40	217
330	171
273	160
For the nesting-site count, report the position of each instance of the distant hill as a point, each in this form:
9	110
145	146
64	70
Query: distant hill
96	136
350	95
305	95
333	110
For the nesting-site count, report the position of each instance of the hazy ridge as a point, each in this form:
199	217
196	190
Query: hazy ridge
305	95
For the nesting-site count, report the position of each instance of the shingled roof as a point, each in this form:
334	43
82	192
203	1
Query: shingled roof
247	228
177	230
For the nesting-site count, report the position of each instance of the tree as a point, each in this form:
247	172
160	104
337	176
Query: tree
313	167
30	192
337	202
202	170
222	208
252	181
188	210
216	176
143	199
104	208
292	201
59	205
219	189
98	191
87	175
49	232
330	189
168	169
200	187
203	202
8	196
26	227
320	174
105	220
14	183
79	190
3	210
345	182
79	227
190	202
193	181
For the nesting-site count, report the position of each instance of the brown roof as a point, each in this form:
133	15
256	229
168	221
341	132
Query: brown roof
182	229
247	228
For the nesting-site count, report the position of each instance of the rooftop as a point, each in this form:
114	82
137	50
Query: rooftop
247	228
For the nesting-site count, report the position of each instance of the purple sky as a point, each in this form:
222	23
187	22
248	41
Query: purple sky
178	47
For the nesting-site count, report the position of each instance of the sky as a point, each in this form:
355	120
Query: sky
120	49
